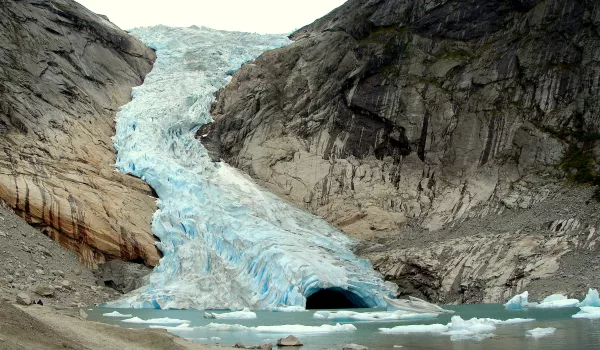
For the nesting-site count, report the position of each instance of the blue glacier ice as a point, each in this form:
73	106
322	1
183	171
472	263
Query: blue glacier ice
227	243
519	302
591	298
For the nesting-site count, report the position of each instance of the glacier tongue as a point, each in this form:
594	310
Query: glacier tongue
227	243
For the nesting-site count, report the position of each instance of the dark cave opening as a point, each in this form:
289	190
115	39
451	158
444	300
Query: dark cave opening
334	298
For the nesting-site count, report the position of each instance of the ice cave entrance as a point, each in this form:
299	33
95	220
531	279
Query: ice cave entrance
334	298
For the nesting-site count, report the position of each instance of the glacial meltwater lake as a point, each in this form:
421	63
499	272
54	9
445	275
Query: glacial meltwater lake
570	333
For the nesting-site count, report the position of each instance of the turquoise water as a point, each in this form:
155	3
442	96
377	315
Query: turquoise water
570	333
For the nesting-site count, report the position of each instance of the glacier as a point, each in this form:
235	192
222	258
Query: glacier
227	243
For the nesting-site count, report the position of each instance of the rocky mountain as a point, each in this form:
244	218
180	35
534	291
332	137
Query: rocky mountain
64	72
425	127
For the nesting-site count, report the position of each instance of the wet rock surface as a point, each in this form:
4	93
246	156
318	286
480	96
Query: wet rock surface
64	72
404	121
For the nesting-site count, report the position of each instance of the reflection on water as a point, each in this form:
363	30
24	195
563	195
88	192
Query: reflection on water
570	333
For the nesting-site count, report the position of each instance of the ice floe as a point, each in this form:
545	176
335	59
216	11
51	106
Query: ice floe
164	320
458	329
245	314
589	312
283	329
540	332
556	301
283	308
591	299
372	316
116	314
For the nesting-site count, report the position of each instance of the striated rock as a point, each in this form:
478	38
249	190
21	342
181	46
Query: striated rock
398	119
290	340
433	111
64	72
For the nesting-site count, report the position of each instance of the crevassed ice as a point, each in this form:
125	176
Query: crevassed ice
227	243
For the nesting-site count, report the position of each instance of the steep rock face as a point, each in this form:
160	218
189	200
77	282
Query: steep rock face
384	113
64	72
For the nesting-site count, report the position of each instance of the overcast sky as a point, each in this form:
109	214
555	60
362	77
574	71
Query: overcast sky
261	16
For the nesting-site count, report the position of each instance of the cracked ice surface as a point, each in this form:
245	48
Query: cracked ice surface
227	243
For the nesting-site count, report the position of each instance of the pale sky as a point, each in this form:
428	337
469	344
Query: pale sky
261	16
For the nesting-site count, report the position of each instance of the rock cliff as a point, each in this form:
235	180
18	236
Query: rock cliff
64	72
390	117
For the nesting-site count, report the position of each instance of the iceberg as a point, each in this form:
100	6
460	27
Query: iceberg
245	314
226	242
115	314
414	304
372	316
540	332
591	299
164	320
519	302
589	312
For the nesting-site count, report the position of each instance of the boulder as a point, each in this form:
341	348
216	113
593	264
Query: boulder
43	290
23	299
290	340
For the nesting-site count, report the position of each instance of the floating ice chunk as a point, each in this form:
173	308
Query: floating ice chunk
554	297
372	316
556	301
397	346
283	329
591	299
511	321
589	312
164	320
473	329
414	305
458	328
540	332
116	314
519	302
181	327
245	314
283	308
415	328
